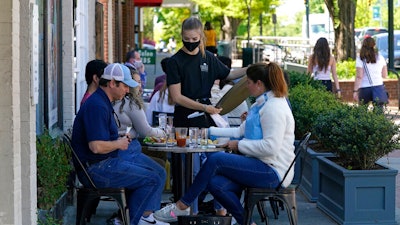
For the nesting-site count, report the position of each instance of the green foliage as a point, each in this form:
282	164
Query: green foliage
49	220
357	135
298	78
52	169
307	104
346	70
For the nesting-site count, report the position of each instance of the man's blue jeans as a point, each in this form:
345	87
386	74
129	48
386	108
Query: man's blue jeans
226	175
144	184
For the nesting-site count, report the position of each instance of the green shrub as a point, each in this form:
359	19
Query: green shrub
346	70
297	78
357	135
307	104
52	170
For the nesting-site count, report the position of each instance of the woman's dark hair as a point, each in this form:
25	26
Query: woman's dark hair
322	54
368	50
271	75
208	26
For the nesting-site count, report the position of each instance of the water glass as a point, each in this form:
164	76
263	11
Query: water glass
181	134
171	137
204	138
162	120
193	135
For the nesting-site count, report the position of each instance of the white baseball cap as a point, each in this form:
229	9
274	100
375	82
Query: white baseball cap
119	72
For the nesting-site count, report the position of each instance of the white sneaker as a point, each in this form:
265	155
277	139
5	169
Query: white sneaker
170	213
150	220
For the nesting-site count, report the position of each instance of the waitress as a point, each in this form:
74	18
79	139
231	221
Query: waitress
191	73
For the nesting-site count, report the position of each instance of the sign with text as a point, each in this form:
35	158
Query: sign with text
148	56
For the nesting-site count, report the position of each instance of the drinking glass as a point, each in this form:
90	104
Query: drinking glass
171	137
204	138
193	134
162	121
181	134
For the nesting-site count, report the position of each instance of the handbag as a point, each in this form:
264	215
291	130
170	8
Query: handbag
379	92
204	220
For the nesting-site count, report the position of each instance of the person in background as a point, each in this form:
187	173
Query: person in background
370	70
262	156
160	102
211	38
171	45
321	64
134	62
93	72
97	144
220	88
160	80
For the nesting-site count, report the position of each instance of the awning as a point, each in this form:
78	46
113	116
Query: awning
142	3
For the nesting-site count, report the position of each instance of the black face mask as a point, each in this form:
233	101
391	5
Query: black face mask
191	45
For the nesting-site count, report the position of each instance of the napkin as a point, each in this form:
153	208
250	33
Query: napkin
219	120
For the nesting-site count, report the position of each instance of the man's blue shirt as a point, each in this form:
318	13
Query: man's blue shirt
94	122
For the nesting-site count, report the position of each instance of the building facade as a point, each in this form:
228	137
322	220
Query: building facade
45	45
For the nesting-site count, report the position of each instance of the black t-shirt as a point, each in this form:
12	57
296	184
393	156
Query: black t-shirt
195	73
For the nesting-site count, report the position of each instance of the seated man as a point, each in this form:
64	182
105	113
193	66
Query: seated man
96	141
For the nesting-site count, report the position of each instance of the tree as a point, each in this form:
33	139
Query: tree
233	12
342	13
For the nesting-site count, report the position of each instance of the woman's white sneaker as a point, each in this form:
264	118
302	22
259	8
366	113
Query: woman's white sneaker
170	213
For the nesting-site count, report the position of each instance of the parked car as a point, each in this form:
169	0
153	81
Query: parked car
368	32
383	47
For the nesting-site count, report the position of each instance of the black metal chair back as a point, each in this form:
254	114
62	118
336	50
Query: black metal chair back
87	197
285	195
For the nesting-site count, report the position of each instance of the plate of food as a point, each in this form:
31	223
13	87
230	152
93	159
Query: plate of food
155	141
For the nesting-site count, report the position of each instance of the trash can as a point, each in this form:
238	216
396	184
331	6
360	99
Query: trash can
247	56
224	49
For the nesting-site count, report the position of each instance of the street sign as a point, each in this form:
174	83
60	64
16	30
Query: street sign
376	12
148	56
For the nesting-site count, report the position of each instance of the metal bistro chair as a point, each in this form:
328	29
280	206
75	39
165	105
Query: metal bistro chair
88	195
285	196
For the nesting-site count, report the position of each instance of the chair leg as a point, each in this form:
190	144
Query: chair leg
274	207
289	200
261	211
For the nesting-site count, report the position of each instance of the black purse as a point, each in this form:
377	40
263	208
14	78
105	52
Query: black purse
204	220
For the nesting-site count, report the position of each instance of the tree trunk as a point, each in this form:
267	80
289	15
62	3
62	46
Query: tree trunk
343	15
230	27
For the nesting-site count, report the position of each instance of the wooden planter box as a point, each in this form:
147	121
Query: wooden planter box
310	176
357	196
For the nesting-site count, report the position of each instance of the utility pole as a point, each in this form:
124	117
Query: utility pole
307	17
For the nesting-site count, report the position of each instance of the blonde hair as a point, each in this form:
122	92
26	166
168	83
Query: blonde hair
193	23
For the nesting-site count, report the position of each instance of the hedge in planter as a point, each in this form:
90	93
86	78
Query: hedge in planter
308	103
53	170
353	188
357	135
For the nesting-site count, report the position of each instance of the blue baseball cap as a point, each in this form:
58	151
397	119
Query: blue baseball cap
119	72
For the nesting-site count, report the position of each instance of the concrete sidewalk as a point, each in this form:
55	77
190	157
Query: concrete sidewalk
308	213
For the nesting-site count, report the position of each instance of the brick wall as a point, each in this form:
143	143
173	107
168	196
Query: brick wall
390	84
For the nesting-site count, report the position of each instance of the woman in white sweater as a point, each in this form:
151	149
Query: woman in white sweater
263	154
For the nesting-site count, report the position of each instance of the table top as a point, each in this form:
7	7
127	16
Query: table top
176	149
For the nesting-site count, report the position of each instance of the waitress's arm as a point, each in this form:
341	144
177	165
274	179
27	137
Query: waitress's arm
178	98
236	73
